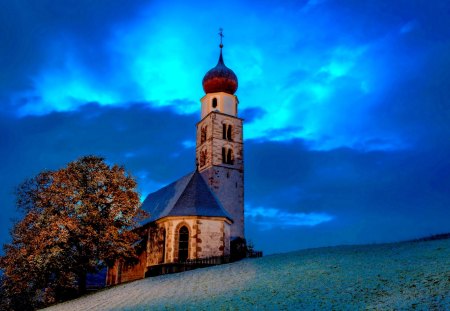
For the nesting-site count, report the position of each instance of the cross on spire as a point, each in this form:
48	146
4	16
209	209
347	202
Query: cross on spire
221	37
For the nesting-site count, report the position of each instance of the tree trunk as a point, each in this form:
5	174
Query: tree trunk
82	278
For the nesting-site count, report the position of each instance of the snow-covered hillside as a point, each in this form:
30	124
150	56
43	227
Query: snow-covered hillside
406	275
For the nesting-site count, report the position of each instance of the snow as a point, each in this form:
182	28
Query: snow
410	275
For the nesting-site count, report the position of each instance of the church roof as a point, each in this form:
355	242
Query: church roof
188	196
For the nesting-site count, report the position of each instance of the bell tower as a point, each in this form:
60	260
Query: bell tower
219	150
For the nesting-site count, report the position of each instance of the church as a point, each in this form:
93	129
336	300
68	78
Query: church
199	215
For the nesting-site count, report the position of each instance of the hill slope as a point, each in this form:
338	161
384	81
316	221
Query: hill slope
402	275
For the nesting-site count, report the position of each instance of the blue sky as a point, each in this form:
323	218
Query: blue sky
346	106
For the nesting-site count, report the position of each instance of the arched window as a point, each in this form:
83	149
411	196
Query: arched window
230	159
214	102
203	157
227	130
224	155
183	244
227	155
203	133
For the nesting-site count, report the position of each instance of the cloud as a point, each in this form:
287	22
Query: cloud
251	114
44	35
372	196
269	218
320	76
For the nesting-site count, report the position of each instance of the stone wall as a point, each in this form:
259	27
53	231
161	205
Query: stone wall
172	225
227	239
156	244
132	272
225	103
208	237
212	145
125	272
112	274
228	186
226	180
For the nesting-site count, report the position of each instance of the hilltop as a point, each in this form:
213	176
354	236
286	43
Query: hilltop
405	275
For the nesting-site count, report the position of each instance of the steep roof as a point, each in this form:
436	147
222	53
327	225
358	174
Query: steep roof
188	196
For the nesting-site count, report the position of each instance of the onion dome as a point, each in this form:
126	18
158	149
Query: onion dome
220	78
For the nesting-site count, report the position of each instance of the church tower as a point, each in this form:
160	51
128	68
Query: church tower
219	150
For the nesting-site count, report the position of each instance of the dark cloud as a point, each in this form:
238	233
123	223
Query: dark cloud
35	34
363	21
251	114
419	106
373	196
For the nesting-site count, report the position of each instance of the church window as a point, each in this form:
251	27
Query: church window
203	132
203	157
227	131
183	244
214	102
227	155
224	155
230	159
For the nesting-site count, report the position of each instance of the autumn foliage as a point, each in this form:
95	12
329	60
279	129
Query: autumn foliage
77	220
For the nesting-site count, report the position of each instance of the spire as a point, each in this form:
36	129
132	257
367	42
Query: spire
220	62
221	47
220	78
221	37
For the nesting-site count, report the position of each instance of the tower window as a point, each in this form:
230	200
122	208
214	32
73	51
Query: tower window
227	132
227	155
214	102
224	155
203	132
230	156
203	157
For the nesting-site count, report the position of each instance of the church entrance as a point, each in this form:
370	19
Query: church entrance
183	244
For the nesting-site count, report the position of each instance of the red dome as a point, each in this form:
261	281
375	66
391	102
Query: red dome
220	79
